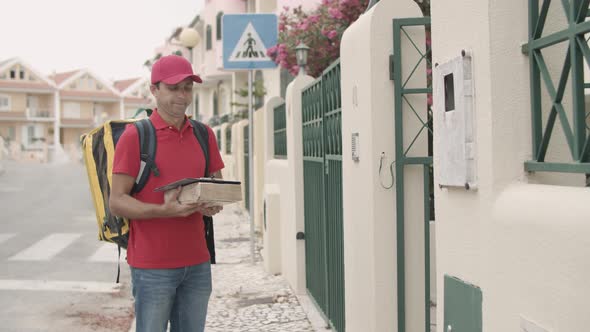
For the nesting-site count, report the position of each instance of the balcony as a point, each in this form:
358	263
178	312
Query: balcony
40	114
13	115
28	114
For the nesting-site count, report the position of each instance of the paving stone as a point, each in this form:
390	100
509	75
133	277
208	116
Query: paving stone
246	298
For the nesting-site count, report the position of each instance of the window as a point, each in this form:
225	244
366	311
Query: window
218	26
4	103
22	74
209	41
12	133
71	110
33	104
98	86
33	135
12	74
30	135
215	104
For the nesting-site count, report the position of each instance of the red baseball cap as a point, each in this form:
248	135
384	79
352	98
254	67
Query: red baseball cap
172	69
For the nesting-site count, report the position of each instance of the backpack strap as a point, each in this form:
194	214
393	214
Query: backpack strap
202	134
147	153
147	156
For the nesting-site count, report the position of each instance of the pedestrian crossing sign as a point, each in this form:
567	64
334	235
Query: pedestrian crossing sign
246	39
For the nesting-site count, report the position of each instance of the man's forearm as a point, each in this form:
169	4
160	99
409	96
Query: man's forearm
131	208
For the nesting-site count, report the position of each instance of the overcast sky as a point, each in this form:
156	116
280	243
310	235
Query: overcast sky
113	38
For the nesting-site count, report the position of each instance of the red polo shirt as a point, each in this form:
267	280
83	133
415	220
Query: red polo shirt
166	242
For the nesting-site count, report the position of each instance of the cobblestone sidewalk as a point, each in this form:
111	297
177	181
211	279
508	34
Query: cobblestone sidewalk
245	298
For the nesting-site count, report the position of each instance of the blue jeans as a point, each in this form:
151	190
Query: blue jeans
177	295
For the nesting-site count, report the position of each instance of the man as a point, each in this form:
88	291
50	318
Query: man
167	251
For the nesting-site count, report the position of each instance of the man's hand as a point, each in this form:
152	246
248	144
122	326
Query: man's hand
211	210
175	208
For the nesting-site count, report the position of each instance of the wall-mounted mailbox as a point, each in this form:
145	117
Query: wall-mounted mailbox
454	125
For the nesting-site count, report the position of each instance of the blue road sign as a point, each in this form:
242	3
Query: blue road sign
246	38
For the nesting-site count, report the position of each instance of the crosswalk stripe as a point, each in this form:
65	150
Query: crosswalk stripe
6	236
46	248
107	253
60	286
8	189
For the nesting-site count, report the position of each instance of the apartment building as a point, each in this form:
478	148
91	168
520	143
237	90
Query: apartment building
85	101
27	107
136	94
38	111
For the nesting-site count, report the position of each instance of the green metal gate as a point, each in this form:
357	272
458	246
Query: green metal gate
322	172
246	169
403	161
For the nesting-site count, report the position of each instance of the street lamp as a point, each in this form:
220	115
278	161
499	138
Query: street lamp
189	38
301	54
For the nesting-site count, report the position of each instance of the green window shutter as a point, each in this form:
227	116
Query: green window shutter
209	37
218	26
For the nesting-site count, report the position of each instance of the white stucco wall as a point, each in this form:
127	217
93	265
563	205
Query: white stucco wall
238	139
291	182
370	259
524	245
273	169
259	165
229	159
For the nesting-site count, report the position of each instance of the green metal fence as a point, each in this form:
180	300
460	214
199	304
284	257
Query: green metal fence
403	161
578	142
246	168
322	171
280	132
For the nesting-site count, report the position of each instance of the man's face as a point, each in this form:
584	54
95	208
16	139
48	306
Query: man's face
174	99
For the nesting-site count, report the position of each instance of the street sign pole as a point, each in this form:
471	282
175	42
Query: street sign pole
251	164
246	40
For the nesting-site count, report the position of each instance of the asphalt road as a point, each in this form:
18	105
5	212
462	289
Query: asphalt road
54	273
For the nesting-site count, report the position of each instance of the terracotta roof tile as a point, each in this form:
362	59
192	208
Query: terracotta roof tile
15	84
122	85
58	78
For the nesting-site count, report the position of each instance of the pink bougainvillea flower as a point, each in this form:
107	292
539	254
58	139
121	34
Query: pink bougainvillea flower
320	29
336	13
